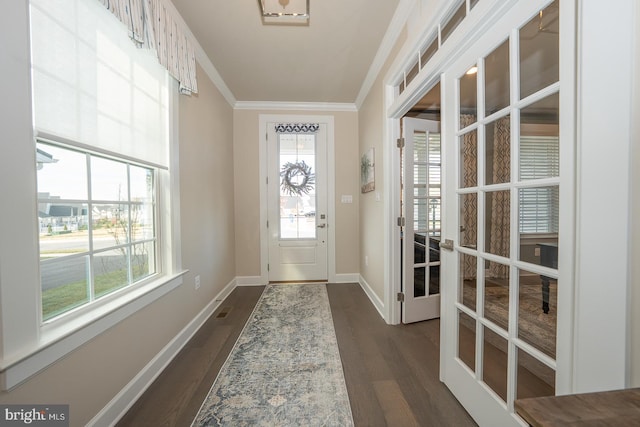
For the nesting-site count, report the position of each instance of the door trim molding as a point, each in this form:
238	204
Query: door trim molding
328	120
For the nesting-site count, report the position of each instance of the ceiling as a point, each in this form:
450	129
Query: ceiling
325	61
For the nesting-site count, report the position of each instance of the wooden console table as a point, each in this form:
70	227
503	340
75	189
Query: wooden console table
612	408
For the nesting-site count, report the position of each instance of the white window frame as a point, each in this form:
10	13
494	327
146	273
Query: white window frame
26	345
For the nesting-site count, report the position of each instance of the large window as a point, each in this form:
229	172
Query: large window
96	226
101	115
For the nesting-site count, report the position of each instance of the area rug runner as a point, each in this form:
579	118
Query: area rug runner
285	368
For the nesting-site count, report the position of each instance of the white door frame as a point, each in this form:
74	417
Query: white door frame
263	172
486	13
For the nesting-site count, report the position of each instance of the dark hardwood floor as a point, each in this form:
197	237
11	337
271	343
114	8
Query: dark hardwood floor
391	371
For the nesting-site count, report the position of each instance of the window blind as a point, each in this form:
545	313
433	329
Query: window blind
539	207
93	86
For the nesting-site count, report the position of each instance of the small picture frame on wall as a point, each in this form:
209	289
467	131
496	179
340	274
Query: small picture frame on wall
367	175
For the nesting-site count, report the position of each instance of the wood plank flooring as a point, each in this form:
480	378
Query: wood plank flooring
391	371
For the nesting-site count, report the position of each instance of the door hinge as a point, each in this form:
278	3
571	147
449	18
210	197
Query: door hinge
267	224
400	142
401	221
267	180
267	267
400	296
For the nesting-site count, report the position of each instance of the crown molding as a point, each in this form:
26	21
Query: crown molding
202	57
294	106
397	24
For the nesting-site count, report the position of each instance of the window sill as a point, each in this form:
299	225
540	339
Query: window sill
57	339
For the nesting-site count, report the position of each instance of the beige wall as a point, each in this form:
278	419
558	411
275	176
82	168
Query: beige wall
247	189
88	378
371	130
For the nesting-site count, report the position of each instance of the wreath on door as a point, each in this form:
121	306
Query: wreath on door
297	178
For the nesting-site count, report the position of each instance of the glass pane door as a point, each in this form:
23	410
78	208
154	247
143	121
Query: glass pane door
506	188
421	240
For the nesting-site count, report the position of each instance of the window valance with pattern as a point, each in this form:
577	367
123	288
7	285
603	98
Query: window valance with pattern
152	26
297	127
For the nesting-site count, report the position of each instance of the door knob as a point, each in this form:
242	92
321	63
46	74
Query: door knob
321	225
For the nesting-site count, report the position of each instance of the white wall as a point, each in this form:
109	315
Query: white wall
604	145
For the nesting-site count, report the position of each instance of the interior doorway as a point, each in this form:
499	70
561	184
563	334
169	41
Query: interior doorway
420	207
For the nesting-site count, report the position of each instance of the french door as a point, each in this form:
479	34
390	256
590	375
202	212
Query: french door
421	211
502	198
297	201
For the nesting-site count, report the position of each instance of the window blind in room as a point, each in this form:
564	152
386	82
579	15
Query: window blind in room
93	86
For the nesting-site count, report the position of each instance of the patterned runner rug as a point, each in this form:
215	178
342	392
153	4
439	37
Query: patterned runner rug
285	369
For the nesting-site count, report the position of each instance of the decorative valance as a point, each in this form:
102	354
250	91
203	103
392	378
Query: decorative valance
297	127
152	26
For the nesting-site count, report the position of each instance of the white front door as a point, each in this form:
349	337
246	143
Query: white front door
503	282
297	201
421	210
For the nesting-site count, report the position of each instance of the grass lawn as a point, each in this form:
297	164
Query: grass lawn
63	298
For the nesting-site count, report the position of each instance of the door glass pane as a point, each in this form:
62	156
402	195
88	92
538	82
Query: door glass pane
498	151
539	51
434	181
420	147
494	362
497	222
496	294
297	186
468	97
539	139
419	281
420	215
469	220
468	280
419	248
467	340
496	69
434	277
469	159
537	311
535	379
538	228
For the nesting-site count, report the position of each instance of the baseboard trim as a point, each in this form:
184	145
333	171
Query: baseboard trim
348	278
124	400
377	302
249	281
